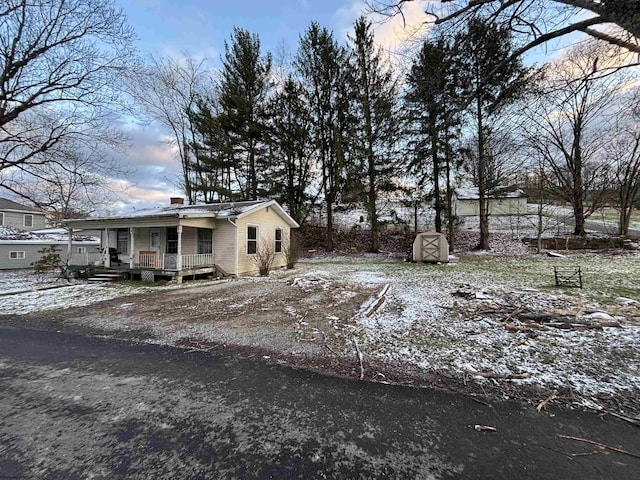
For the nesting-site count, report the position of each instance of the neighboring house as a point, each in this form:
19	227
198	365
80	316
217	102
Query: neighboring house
13	214
503	201
182	240
21	249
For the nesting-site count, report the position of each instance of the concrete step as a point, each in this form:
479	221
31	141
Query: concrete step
106	277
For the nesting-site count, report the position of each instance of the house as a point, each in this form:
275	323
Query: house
502	201
13	214
187	240
21	249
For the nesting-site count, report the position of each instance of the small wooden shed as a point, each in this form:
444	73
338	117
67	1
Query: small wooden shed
430	247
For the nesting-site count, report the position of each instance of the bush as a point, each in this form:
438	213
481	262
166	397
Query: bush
265	256
291	250
51	261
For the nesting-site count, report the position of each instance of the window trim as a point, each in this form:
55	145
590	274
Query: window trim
24	220
199	231
124	232
1	218
82	249
251	225
278	242
19	255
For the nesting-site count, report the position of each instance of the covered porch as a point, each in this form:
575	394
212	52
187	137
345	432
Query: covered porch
173	248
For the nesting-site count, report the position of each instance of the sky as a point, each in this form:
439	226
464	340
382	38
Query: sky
200	28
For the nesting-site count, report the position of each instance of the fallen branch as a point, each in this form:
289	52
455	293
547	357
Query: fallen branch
632	421
600	445
379	301
484	428
324	342
545	403
355	342
510	376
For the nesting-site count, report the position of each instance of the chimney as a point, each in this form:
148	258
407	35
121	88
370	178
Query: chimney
177	200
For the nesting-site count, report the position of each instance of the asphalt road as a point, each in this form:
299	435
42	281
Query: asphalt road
73	406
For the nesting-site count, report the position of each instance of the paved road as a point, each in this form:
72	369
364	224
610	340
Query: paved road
73	406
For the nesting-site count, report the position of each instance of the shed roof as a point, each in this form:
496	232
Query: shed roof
472	193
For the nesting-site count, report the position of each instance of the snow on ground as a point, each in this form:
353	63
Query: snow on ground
422	324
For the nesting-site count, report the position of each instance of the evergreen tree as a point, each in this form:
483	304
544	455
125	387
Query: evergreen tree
292	148
243	97
492	83
433	113
376	125
321	63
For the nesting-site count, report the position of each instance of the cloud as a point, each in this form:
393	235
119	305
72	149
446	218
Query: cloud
391	33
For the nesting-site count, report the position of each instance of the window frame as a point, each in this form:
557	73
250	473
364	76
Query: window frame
19	255
278	241
200	241
1	218
82	249
251	240
24	220
171	243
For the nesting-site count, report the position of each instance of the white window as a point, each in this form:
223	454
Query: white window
278	240
82	249
28	220
252	239
16	255
205	240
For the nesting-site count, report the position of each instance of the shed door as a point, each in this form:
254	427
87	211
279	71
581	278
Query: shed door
430	248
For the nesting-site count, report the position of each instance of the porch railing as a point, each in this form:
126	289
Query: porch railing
199	260
169	261
85	259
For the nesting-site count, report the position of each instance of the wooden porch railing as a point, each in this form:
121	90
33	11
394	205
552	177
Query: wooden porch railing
85	259
169	261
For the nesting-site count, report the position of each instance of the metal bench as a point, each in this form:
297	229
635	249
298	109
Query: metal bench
568	276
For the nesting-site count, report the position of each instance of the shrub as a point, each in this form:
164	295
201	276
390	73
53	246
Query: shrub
51	261
291	250
264	256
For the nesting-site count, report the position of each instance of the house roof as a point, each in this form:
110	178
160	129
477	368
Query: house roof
230	210
6	204
472	193
15	235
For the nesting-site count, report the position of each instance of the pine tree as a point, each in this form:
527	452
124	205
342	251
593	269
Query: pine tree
491	83
243	97
433	113
376	126
292	150
321	63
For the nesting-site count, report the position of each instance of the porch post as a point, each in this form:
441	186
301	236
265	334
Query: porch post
132	253
179	259
107	257
69	244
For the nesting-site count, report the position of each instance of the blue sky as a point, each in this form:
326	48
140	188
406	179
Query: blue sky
200	28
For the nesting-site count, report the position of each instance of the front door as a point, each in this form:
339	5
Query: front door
154	240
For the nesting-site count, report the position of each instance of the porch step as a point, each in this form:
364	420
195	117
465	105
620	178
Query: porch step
106	277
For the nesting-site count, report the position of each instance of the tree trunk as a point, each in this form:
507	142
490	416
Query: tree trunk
482	200
436	177
330	246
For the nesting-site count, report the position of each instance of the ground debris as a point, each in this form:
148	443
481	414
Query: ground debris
484	428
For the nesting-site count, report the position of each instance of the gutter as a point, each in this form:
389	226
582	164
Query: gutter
235	246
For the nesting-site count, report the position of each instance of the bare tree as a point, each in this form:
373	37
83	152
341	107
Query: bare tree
168	89
623	152
70	187
539	20
569	122
61	65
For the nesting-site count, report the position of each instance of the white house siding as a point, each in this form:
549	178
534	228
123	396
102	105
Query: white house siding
224	246
16	219
267	220
497	206
32	253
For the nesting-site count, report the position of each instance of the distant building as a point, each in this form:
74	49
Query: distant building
13	214
502	201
